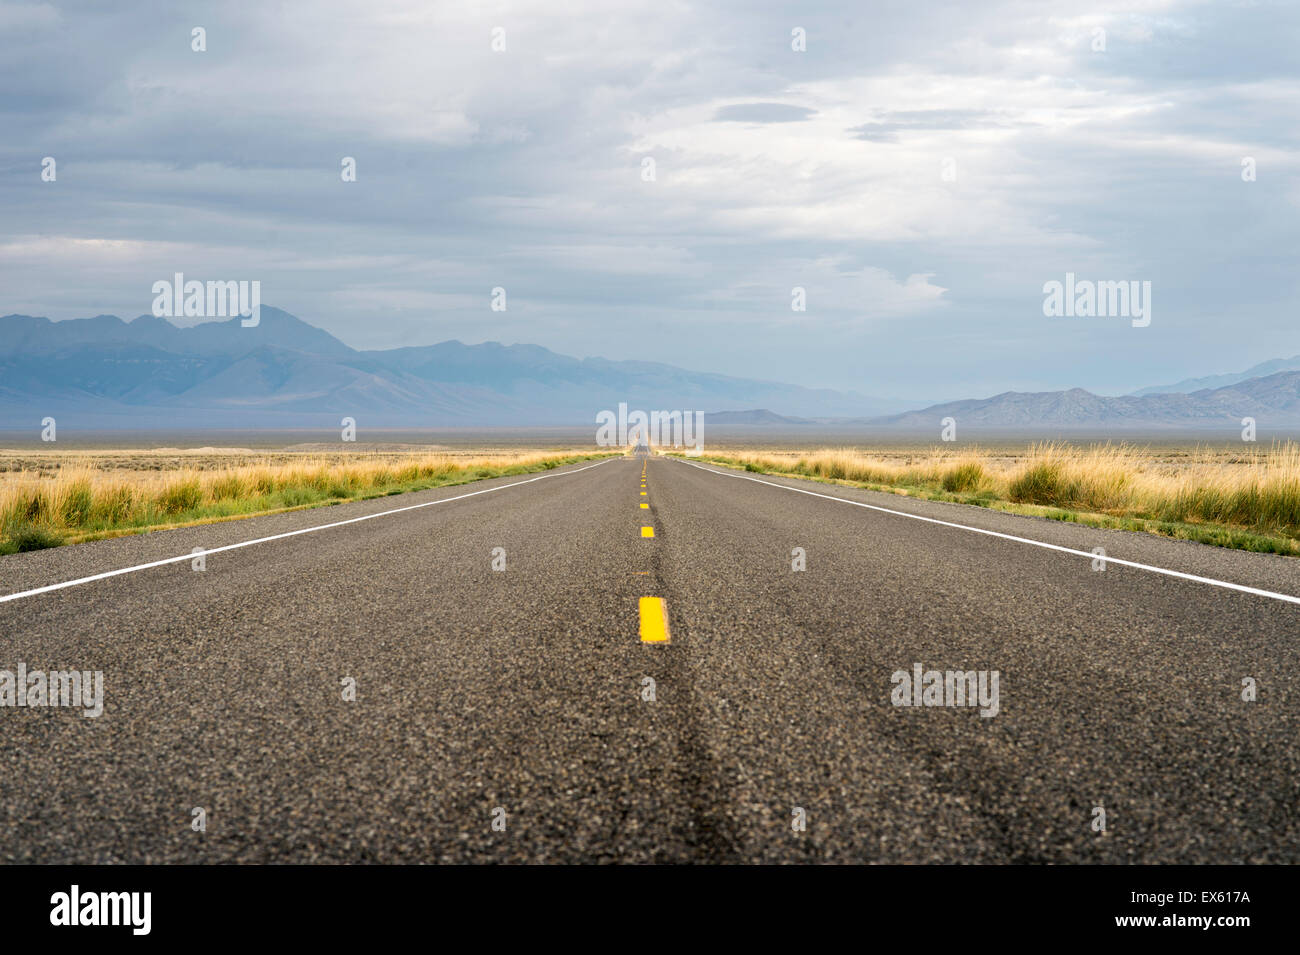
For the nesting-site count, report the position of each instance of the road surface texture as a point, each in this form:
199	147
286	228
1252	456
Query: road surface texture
520	696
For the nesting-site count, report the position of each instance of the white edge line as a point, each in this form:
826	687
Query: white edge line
275	537
1012	537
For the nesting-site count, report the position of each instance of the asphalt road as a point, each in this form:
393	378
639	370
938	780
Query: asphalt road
524	689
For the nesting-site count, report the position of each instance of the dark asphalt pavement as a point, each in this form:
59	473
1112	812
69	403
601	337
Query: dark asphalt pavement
524	689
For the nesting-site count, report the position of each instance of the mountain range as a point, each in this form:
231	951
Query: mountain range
1188	385
1273	401
104	373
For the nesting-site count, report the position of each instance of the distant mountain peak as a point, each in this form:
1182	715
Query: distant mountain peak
1274	400
286	372
1190	385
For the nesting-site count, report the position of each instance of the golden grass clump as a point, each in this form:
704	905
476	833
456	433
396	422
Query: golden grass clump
1098	478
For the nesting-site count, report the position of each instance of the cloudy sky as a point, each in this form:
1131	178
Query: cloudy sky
921	169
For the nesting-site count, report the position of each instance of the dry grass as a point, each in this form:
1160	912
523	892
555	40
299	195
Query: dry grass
48	499
1255	491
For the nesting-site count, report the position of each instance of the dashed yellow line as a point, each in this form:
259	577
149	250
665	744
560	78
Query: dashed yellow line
654	620
643	493
647	532
645	506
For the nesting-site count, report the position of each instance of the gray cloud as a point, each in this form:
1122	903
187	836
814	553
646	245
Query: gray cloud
889	126
763	113
523	168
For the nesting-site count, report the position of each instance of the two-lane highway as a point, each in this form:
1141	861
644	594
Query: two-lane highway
651	660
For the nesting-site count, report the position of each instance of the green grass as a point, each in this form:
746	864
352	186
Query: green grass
76	510
1046	489
24	537
964	477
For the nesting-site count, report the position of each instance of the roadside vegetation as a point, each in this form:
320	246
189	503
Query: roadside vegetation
48	500
1243	499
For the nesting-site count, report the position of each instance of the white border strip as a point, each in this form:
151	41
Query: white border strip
275	537
1011	537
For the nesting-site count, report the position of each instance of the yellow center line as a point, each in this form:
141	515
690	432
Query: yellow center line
654	620
645	506
643	493
647	532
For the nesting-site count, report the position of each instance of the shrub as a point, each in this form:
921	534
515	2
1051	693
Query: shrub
297	496
228	487
180	496
1039	483
76	503
967	476
114	504
27	537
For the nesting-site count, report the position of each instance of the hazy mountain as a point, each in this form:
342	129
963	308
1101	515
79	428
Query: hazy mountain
148	373
26	335
1273	401
757	416
530	374
1188	385
103	372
